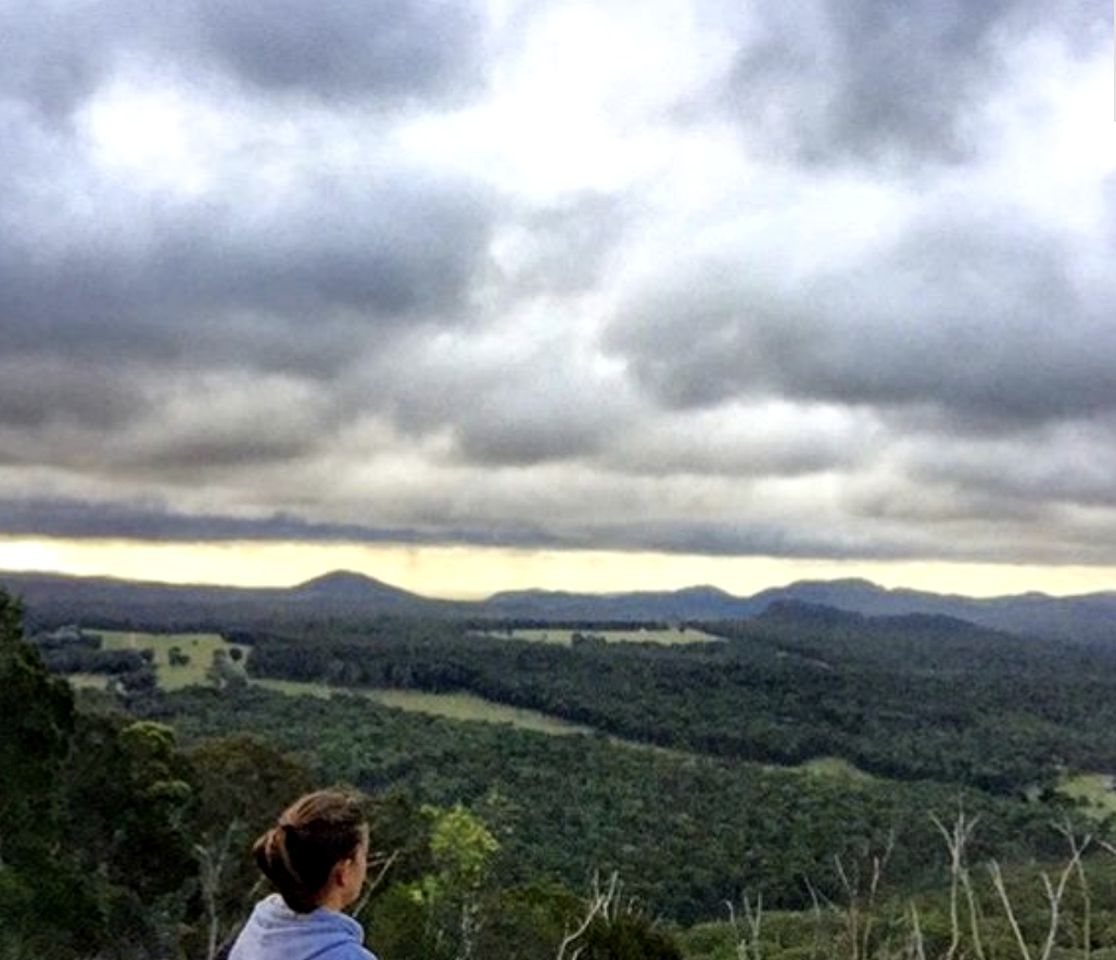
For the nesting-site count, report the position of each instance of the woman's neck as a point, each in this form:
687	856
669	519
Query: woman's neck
334	900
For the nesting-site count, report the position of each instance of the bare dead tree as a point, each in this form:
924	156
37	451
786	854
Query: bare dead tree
816	910
918	945
469	928
211	867
860	910
1005	900
600	903
382	863
1054	895
1077	852
956	839
748	937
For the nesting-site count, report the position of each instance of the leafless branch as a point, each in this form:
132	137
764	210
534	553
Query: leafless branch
1054	896
383	863
1077	850
955	840
211	867
998	883
748	939
916	935
598	905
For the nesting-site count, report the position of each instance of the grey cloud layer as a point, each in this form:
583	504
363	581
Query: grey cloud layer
125	276
980	318
382	343
883	81
77	518
150	329
55	55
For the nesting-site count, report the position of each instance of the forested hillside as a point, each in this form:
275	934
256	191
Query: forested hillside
909	698
790	761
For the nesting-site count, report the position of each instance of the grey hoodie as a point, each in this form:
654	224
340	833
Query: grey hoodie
275	932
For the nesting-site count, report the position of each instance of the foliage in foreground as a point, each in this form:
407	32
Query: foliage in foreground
124	839
1065	911
120	845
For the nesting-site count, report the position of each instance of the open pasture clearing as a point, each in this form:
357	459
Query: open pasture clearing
455	706
199	647
87	681
667	637
835	767
471	708
1096	789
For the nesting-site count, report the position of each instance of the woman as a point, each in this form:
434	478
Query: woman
316	857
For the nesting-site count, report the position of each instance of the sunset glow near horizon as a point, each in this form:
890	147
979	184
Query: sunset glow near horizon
471	573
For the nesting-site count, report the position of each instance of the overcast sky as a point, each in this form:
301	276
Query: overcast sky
817	281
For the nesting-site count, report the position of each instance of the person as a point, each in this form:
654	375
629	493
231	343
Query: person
316	858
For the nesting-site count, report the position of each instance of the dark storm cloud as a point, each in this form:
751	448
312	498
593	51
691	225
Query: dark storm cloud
546	410
879	80
106	426
102	519
512	437
173	326
192	459
1076	466
54	56
942	504
733	538
118	306
855	539
177	279
391	48
36	394
111	519
983	317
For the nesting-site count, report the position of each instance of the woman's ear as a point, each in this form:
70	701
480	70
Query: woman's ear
348	873
339	875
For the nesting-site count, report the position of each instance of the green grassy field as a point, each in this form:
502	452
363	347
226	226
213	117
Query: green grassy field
835	767
1096	789
468	707
564	637
88	681
455	706
198	647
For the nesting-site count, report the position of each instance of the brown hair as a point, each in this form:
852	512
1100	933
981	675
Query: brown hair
312	836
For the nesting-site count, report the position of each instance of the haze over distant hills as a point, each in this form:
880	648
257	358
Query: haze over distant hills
55	598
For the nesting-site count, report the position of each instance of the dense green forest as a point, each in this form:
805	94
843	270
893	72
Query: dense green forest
910	698
686	832
127	814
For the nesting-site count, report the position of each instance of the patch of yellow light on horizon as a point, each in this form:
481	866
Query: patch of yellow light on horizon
464	572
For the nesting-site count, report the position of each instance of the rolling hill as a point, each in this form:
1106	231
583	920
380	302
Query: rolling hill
52	599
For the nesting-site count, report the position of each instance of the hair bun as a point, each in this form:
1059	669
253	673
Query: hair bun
309	839
270	852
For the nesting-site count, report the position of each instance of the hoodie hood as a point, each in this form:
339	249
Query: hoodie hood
275	932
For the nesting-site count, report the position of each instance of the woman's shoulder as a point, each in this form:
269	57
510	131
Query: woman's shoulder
351	951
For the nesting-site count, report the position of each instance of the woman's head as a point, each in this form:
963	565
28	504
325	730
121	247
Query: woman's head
315	855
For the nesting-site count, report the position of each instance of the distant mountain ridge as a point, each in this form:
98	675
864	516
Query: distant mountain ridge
51	599
56	598
690	603
345	583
